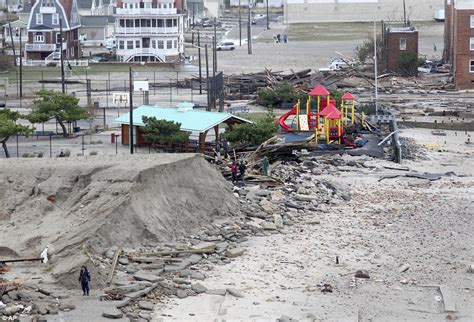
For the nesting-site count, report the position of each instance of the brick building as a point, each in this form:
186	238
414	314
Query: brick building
398	41
459	42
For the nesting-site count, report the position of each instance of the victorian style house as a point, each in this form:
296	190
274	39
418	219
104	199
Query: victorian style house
47	17
149	30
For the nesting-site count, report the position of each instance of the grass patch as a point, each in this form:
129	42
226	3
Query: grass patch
327	31
252	116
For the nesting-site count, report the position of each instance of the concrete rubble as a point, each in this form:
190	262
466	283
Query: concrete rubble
145	275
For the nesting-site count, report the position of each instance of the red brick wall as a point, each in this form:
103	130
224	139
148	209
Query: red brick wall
464	79
393	47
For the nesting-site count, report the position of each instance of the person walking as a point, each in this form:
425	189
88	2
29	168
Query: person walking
84	278
242	168
265	166
225	146
233	171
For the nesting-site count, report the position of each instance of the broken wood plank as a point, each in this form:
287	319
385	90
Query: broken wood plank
448	298
114	263
177	252
136	296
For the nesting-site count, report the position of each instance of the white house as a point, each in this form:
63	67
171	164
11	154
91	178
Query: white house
149	30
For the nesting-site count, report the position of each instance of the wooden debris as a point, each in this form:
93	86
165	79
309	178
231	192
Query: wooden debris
448	299
114	263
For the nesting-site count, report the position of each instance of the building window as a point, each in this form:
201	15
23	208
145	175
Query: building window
39	37
472	21
58	38
403	44
55	19
175	22
121	44
471	43
47	3
128	23
175	43
137	22
39	18
160	23
169	44
153	44
137	44
169	22
129	44
161	44
153	22
471	66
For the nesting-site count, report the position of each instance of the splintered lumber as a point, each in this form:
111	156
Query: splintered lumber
448	299
137	295
178	252
114	263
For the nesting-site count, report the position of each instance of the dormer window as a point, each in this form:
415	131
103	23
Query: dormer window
39	37
55	19
47	3
39	18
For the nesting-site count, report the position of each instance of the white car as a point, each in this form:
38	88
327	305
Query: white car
227	45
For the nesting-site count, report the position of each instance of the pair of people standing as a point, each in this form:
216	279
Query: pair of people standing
238	168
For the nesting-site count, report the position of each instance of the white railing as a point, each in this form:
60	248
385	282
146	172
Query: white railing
40	47
44	47
146	11
47	9
147	51
32	63
146	30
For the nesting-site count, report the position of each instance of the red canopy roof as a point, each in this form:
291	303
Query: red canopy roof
319	90
331	112
348	96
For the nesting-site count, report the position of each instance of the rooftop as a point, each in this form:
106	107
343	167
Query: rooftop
191	120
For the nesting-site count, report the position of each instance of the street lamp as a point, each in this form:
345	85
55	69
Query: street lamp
130	128
249	30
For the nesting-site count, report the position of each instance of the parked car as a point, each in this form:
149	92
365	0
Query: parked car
337	64
227	45
99	59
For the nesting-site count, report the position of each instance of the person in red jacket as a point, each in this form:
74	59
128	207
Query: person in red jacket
233	169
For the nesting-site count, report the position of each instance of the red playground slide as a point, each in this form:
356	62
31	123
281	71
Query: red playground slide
283	118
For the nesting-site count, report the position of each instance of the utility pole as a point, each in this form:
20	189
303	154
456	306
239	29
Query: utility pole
240	24
268	21
376	72
21	69
62	58
208	108
11	31
130	127
404	14
249	32
200	65
214	66
194	10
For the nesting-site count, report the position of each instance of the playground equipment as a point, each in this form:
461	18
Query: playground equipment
348	100
325	118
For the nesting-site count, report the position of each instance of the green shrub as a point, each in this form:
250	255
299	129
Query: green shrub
408	64
93	153
283	92
40	155
253	134
67	153
25	155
